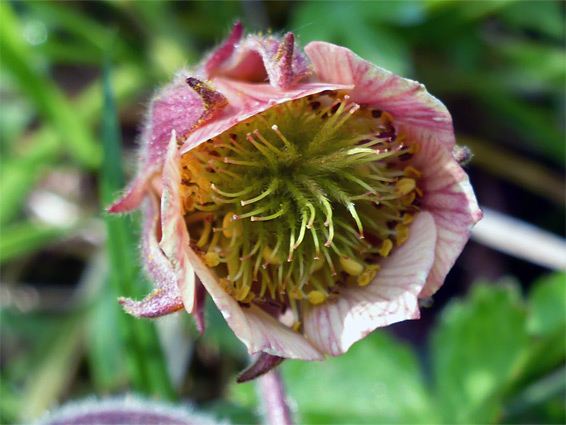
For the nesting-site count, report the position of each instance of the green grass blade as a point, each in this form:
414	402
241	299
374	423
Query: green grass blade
53	105
145	359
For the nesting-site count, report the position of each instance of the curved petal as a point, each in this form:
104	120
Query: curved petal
423	117
175	237
257	59
166	298
391	297
449	197
253	326
246	100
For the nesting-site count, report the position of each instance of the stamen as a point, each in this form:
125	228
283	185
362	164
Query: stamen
232	195
268	155
302	231
266	143
356	218
272	187
288	144
205	234
272	216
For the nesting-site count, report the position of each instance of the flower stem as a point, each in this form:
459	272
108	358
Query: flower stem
273	394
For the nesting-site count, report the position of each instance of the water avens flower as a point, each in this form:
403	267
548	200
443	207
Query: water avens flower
315	198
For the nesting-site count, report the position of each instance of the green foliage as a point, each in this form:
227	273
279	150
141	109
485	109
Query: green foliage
483	352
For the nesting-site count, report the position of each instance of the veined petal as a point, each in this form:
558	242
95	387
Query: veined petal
253	326
422	116
450	199
175	238
246	100
391	297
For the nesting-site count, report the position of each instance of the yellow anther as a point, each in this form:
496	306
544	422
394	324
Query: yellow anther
407	218
242	292
408	199
401	228
412	172
234	228
297	326
404	186
211	259
352	267
372	268
316	297
403	233
414	148
386	248
226	285
401	238
249	298
364	279
267	252
419	191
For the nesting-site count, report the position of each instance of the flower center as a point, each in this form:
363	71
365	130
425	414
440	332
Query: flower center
300	200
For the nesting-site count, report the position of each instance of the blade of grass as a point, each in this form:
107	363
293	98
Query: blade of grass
144	356
19	174
77	137
25	237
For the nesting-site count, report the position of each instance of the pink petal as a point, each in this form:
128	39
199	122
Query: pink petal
166	298
246	100
422	116
391	297
450	199
253	326
175	238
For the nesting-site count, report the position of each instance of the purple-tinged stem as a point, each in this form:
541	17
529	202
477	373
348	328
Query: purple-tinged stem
273	394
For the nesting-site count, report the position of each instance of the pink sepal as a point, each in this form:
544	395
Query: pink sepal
262	364
391	297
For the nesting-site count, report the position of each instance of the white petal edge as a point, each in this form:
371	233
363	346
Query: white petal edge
391	297
175	237
450	198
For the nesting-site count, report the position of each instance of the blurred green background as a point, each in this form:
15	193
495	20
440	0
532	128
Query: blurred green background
75	80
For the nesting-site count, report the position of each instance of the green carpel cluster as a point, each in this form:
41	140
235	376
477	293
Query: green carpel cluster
300	200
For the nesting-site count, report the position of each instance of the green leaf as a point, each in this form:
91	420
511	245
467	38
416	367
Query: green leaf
51	102
477	349
547	301
377	381
27	237
106	353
